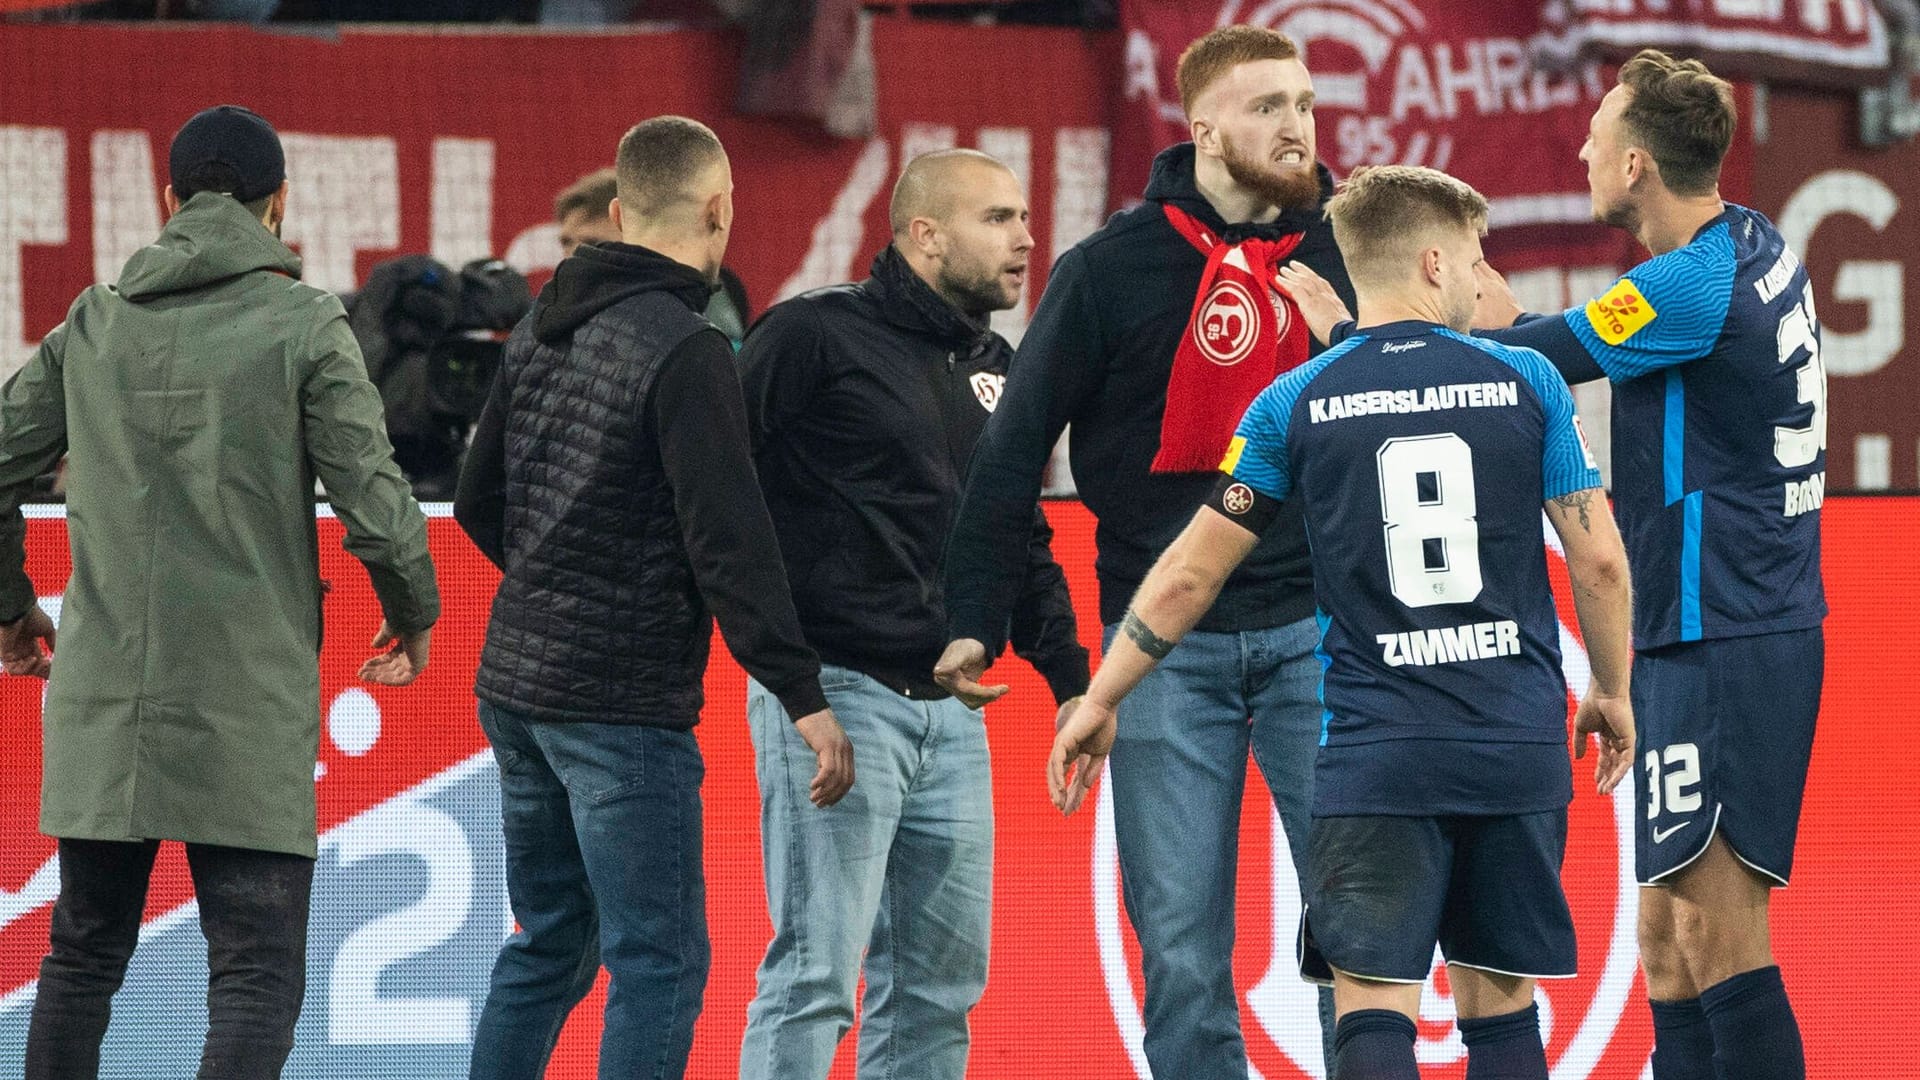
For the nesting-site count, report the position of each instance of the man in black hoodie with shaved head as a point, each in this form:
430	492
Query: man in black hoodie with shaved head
611	482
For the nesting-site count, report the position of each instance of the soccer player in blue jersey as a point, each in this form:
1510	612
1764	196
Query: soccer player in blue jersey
1719	452
1421	458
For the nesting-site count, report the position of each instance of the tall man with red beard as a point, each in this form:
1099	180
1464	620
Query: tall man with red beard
1154	335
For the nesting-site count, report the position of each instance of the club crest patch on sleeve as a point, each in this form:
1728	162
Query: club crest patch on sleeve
1234	450
1619	313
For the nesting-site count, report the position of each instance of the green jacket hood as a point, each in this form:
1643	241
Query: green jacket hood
211	239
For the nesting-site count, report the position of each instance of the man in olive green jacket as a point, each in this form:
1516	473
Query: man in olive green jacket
197	400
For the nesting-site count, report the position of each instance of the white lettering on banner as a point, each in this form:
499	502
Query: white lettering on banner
836	237
349	201
33	173
1425	399
1079	185
1877	283
357	1014
534	248
917	138
1872	461
1014	149
1756	34
1414	81
462	200
1493	71
1078	207
1450	644
126	208
1814	13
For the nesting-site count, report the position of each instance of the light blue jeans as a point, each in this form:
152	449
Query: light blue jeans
1179	769
902	869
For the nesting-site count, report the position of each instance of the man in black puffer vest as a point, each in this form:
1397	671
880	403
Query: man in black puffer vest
864	402
610	481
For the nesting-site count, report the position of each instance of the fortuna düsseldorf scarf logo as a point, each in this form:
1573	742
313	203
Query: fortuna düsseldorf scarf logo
1244	333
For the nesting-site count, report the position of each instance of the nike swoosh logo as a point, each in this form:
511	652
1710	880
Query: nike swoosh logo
1662	834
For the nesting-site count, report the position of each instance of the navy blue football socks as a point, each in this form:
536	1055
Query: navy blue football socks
1682	1041
1374	1044
1505	1047
1755	1036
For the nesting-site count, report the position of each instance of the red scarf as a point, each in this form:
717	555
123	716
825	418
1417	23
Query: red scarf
1245	332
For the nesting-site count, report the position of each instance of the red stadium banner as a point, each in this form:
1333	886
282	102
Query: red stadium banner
409	901
454	143
1452	86
1840	43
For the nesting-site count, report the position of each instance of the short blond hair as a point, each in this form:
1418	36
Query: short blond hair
1384	214
1209	59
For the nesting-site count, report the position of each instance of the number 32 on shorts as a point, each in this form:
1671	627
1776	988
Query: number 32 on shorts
1681	771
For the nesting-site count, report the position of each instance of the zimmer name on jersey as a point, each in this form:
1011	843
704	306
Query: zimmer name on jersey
1422	459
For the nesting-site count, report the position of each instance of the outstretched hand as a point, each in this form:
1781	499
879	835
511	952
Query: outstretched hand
960	669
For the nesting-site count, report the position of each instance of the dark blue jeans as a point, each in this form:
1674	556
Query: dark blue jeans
602	826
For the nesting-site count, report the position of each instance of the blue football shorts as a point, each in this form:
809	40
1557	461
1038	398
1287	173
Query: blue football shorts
1725	729
1382	891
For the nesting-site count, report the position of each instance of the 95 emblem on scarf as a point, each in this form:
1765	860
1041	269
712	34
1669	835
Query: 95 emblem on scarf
1229	324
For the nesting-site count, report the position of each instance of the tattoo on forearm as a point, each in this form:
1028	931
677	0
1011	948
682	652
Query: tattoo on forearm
1150	643
1577	499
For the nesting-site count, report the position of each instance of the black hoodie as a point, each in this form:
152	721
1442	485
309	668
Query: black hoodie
610	480
1098	355
864	402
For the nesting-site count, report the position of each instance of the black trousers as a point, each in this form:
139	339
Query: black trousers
253	911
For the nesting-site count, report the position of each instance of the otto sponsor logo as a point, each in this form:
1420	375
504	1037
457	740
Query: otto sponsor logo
1584	1021
1229	324
1619	313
